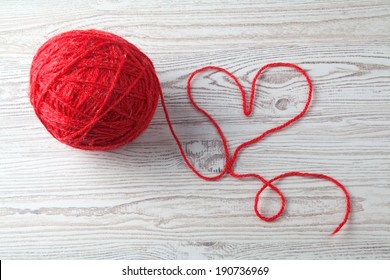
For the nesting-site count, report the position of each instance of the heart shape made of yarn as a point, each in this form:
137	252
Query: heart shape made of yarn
247	110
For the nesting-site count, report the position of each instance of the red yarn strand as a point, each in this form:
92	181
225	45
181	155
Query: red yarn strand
229	163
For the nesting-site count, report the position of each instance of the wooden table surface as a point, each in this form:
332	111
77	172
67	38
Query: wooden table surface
141	201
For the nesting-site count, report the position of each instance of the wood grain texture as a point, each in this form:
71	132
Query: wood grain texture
141	201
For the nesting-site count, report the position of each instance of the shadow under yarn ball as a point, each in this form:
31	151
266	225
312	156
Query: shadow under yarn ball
93	90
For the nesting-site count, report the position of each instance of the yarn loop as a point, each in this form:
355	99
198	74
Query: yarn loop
230	161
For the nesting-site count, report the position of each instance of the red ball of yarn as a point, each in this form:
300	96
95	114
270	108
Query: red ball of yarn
93	90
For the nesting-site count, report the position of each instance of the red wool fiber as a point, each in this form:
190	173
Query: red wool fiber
93	90
230	159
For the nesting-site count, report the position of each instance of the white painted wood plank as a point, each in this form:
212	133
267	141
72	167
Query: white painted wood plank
141	201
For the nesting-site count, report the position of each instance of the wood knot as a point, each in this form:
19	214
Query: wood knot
282	104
